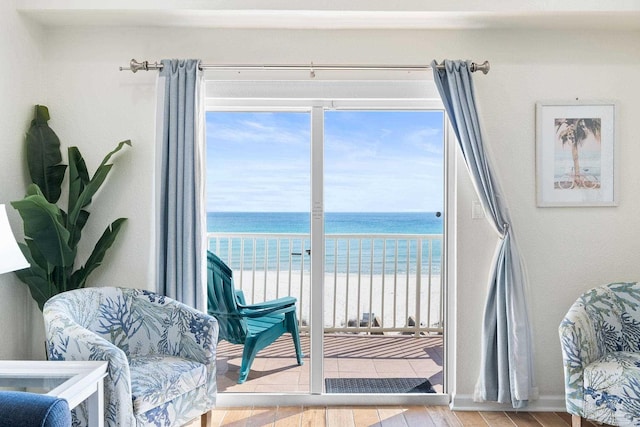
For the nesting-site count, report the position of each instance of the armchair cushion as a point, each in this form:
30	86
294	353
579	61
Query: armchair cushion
156	380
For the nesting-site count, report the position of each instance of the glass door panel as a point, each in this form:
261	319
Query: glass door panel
258	222
383	193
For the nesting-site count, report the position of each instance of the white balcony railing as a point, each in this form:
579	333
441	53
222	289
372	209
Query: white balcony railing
382	283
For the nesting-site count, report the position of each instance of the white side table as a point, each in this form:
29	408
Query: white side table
75	381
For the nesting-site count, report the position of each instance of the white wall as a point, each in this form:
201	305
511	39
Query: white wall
20	86
567	250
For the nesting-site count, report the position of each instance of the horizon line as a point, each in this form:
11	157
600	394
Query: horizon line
309	212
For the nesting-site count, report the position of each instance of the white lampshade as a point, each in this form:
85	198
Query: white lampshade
11	258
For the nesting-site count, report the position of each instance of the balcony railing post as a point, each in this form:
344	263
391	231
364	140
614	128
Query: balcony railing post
278	247
371	284
253	270
419	287
408	276
346	291
335	282
358	298
395	284
384	274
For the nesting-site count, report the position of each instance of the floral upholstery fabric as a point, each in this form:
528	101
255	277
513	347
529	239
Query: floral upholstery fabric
161	353
156	380
600	340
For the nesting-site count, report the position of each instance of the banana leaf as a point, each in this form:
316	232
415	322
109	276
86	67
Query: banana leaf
93	185
78	176
75	231
37	260
43	224
43	155
36	278
41	290
79	278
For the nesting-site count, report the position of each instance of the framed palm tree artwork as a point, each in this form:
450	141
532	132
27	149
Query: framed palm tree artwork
576	154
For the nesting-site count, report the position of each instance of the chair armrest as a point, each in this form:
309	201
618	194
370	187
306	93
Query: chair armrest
580	344
276	303
73	342
199	340
276	306
579	338
183	331
67	340
260	313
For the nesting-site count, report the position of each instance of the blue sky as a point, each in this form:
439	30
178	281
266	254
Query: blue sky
375	161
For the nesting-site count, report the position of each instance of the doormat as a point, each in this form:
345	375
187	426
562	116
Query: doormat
378	385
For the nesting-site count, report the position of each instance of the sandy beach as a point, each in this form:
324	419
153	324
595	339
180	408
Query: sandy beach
391	298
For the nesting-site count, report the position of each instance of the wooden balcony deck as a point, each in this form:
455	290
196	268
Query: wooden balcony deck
346	356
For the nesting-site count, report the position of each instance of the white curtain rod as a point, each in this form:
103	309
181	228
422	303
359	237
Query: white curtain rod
135	66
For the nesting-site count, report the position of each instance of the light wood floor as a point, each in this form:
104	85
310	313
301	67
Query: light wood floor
391	416
373	357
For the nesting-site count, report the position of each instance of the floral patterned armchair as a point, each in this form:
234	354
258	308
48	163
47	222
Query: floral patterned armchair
600	338
161	353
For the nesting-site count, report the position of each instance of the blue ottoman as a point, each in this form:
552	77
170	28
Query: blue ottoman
23	409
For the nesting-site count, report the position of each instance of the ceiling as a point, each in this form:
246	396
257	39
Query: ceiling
339	14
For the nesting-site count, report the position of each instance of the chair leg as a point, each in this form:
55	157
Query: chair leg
205	419
295	334
576	421
296	343
248	354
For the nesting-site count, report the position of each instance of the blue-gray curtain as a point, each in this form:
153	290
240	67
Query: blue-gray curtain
181	243
507	362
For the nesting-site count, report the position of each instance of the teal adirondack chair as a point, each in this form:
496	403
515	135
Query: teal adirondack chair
254	325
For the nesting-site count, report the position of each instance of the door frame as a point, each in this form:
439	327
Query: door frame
316	97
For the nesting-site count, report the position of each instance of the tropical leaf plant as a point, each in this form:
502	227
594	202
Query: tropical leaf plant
51	233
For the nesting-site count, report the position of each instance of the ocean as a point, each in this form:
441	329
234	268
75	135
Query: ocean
335	222
341	255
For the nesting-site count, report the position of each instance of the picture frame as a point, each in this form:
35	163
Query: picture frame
576	154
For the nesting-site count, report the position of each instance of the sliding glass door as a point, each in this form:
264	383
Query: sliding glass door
338	204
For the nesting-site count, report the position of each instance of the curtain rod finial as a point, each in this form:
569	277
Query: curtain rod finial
484	67
135	66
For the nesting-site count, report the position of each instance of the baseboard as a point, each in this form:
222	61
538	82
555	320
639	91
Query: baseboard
544	403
